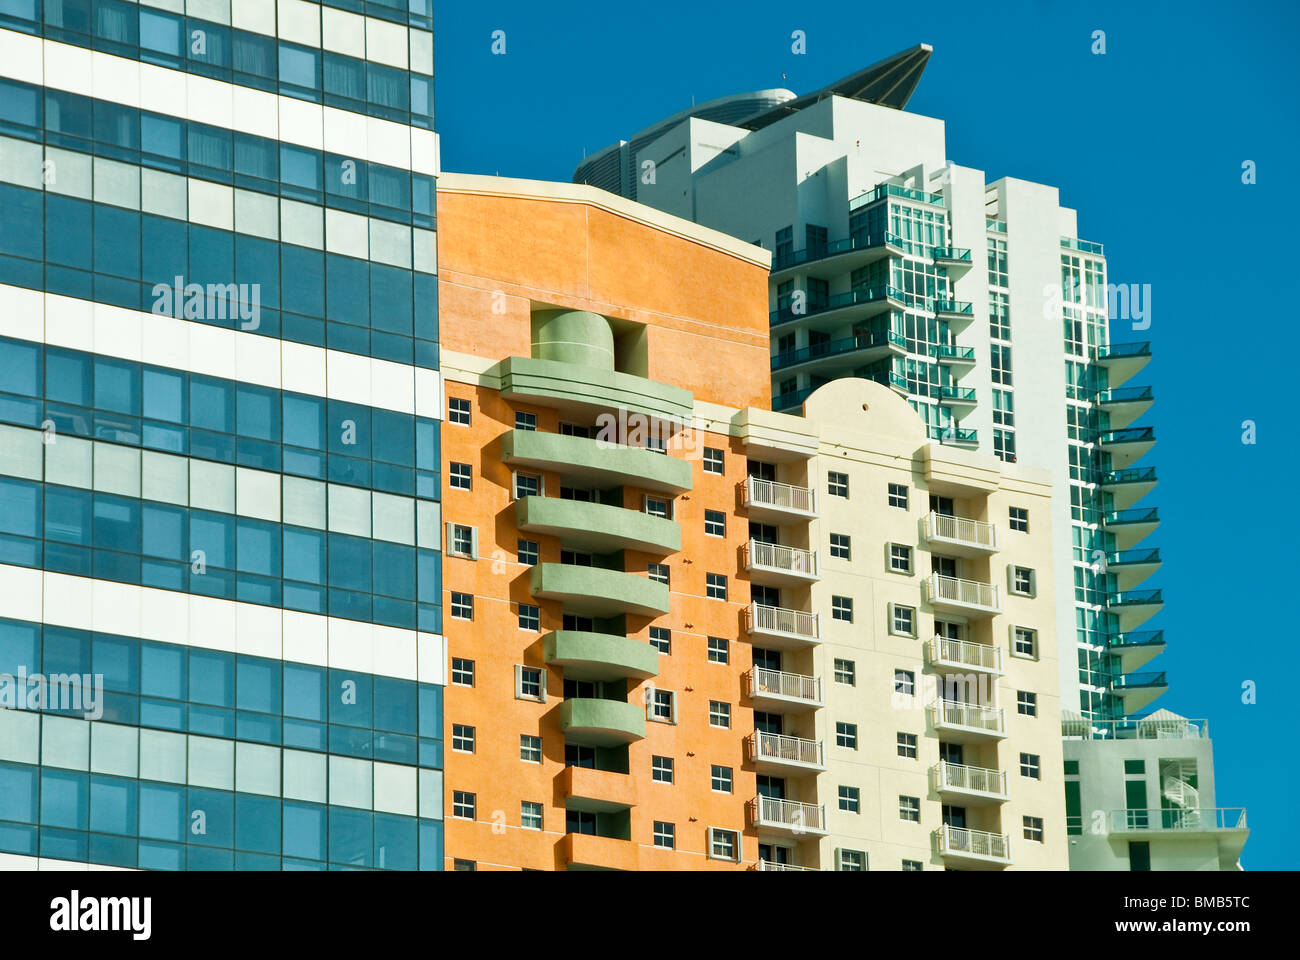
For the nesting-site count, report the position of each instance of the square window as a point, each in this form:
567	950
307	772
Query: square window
1034	829
661	638
1135	766
719	650
720	714
530	748
530	815
846	672
461	541
1022	581
1025	642
715	523
665	835
1029	765
658	507
528	552
900	558
909	808
911	866
905	682
462	672
458	411
460	476
716	586
661	769
907	746
837	484
530	683
462	804
846	735
1026	703
898	495
462	738
462	606
527	485
525	421
713	460
720	779
1019	520
849	799
842	609
851	861
530	616
840	546
663	706
902	620
724	844
659	573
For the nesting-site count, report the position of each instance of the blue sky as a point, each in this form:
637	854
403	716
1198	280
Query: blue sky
1146	142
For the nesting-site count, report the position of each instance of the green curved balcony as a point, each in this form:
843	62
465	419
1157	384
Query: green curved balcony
575	387
596	592
1123	360
1136	648
596	526
602	723
597	462
1127	487
599	656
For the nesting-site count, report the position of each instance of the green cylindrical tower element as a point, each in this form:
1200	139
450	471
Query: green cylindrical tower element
573	336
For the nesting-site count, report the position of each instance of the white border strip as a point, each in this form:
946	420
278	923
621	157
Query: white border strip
218	352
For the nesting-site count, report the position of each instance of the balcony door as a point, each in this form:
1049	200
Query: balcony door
578	756
767	722
772	853
773	787
954	816
762	532
757	468
767	596
580	821
951	753
767	659
943	505
947	629
944	566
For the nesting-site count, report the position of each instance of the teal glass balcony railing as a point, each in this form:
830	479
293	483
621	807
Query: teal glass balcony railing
824	250
1136	638
959	394
1116	351
1134	681
952	352
1083	246
1126	395
893	190
899	382
961	308
1135	598
995	226
1128	435
951	434
1144	515
1133	557
1131	475
863	295
959	254
792	398
834	348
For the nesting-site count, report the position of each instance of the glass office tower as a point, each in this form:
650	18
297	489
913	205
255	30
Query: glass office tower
220	621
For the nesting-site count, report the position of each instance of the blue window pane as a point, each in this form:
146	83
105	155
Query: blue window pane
212	678
395	705
162	812
164	395
431	845
430	711
163	532
304	555
258	683
390	299
258	413
303	281
300	167
113	806
117	125
161	856
117	385
211	819
163	671
205	858
162	136
299	66
351	698
117	523
20	365
257	824
117	660
67	515
257	263
394	570
214	534
304	831
259	547
396	842
70	245
304	421
113	851
20	646
66	651
64	799
394	438
349	562
349	429
68	376
350	839
304	692
20	508
165	255
348	290
162	33
17	793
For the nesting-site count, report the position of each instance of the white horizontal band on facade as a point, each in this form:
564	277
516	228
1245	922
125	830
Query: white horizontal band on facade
201	348
144	86
216	763
130	186
316	25
16	861
220	487
191	620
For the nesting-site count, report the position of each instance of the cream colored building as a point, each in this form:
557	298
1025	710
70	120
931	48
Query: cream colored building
904	686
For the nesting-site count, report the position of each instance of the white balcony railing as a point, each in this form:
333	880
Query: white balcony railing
967	593
970	533
787	815
797	623
766	865
971	715
781	559
974	843
963	653
956	776
779	748
777	683
779	496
